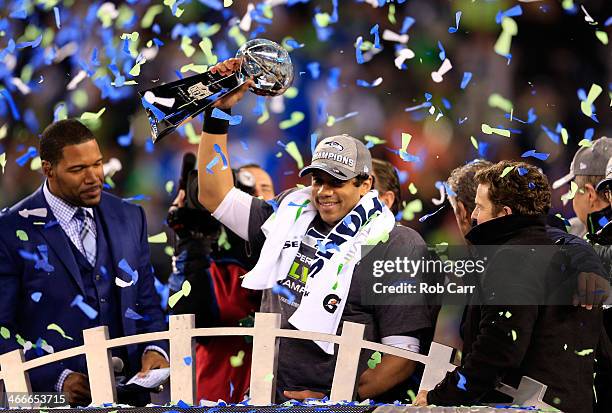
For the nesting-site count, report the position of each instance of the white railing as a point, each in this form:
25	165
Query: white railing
265	332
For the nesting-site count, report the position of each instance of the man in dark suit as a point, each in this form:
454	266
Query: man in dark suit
74	257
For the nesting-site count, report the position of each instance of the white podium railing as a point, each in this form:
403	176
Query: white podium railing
265	333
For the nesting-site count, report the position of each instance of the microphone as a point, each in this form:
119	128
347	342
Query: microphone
189	163
117	365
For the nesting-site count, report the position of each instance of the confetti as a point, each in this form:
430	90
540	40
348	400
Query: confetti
374	32
21	235
36	296
125	267
2	161
5	333
571	193
584	352
462	382
467	76
489	130
413	207
294	119
504	41
457	18
294	152
89	311
233	120
498	101
92	116
437	76
362	83
586	105
237	360
55	327
426	217
285	292
183	292
506	171
391	36
532	153
132	315
37	212
187	360
374	360
358	53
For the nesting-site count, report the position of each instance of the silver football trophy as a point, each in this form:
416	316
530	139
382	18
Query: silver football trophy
172	104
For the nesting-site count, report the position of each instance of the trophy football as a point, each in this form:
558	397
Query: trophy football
172	104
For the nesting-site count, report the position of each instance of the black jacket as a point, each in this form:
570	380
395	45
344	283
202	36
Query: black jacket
502	343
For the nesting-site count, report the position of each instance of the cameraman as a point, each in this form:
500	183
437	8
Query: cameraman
213	259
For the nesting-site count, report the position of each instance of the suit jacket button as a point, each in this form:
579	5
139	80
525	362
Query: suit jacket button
98	278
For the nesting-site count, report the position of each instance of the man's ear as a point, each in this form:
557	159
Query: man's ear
388	197
507	210
366	186
47	169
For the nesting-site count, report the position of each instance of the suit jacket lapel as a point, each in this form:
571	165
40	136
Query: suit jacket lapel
57	240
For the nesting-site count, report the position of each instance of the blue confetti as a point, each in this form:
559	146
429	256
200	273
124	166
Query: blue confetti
531	185
314	69
233	120
14	111
588	134
313	142
442	54
36	296
187	360
457	18
23	159
358	53
522	171
211	164
322	248
33	44
273	204
333	81
374	31
467	76
125	140
125	267
56	13
90	312
139	197
220	152
132	315
462	382
407	24
532	153
512	12
603	221
425	217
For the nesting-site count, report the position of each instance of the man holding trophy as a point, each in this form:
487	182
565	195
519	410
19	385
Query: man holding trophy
290	245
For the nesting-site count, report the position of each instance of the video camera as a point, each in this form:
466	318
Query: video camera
192	219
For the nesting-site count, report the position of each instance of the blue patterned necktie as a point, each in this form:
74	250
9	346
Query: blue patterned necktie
88	240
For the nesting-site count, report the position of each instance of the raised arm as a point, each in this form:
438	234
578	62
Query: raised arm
212	188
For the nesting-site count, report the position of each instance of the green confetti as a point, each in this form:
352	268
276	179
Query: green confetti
508	314
291	92
2	160
412	208
509	29
55	327
602	36
169	186
406	137
322	19
412	188
391	14
206	46
192	137
585	143
5	333
132	36
268	377
564	136
92	116
149	16
186	288
374	139
3	131
498	101
21	234
594	93
186	46
489	130
514	335
237	35
339	268
36	164
169	251
160	238
571	193
223	242
237	360
411	395
474	142
194	68
295	118
584	352
264	117
294	152
374	360
109	181
506	171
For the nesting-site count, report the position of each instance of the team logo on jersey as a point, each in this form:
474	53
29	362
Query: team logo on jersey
331	302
